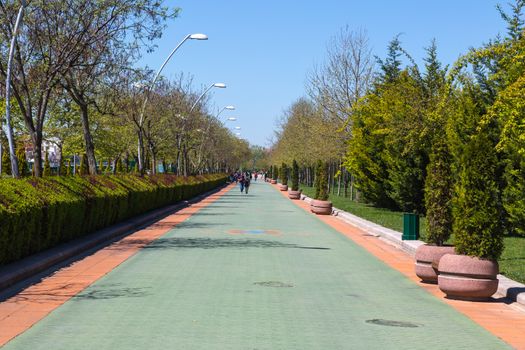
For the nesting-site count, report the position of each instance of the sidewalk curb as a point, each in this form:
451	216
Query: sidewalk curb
507	288
18	271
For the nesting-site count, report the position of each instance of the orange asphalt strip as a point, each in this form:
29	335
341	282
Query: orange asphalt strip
506	321
23	310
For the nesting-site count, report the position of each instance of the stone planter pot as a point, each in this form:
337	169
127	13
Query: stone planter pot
273	182
294	194
321	207
427	259
283	187
468	278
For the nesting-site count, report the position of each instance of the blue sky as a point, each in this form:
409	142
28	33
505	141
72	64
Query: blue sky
263	49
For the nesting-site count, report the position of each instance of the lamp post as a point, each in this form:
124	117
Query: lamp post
141	119
231	108
9	134
216	85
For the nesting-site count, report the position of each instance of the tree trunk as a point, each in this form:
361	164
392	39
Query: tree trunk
88	140
153	162
36	137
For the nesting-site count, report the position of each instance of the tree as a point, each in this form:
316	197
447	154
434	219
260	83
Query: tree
391	66
83	168
295	176
283	174
66	48
478	224
346	75
438	194
321	181
47	166
6	163
22	161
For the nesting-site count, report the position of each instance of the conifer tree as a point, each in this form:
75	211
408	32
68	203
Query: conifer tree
295	176
83	168
63	169
23	167
321	181
478	222
6	162
438	194
284	174
119	166
391	66
47	166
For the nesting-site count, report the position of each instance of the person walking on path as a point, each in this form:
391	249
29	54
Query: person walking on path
246	184
241	182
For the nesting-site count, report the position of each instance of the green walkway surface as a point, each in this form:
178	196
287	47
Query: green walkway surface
254	272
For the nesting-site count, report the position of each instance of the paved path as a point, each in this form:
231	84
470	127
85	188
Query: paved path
254	272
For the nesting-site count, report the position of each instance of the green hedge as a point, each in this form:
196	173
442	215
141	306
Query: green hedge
39	213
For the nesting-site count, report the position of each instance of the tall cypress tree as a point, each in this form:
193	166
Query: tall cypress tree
47	166
438	194
22	161
295	176
6	162
83	168
478	220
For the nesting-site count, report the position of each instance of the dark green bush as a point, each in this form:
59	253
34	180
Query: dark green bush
283	174
438	194
295	176
478	220
321	181
38	213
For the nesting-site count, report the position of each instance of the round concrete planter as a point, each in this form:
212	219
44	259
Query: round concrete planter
427	259
465	277
283	187
294	194
321	207
273	182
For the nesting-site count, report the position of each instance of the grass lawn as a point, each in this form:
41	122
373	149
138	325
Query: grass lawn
512	261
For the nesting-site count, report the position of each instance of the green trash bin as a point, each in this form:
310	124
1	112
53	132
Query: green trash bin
410	227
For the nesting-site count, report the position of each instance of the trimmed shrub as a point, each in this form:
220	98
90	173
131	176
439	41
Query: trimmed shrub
295	176
39	213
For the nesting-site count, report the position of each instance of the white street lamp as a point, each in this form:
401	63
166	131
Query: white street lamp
9	134
141	119
231	108
217	85
237	128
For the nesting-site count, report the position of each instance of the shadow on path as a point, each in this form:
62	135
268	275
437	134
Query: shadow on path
209	243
